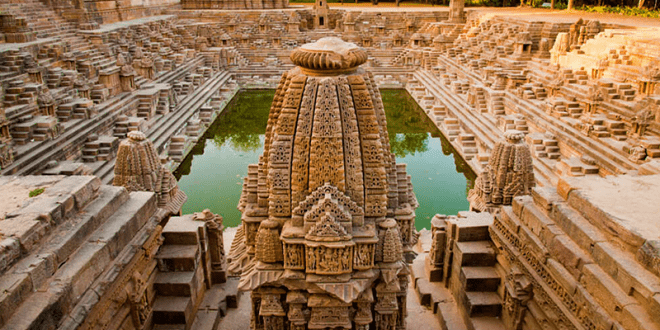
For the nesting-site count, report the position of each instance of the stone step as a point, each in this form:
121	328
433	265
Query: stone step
180	231
486	323
214	305
173	310
178	258
476	229
42	310
180	284
486	304
483	279
477	253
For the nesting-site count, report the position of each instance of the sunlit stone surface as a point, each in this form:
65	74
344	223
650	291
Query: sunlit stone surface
557	112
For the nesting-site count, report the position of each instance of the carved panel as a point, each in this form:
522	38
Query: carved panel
364	256
294	256
329	317
329	261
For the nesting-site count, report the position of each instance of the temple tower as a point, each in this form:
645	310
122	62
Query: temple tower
138	168
327	214
509	173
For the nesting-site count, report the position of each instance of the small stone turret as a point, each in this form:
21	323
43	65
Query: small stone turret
138	168
509	173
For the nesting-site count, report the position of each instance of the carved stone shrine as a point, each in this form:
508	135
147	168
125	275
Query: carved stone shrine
328	215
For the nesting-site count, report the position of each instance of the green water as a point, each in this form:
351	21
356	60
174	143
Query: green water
212	175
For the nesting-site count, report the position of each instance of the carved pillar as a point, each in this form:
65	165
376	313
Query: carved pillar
387	307
216	251
518	292
435	258
256	322
271	310
127	78
46	103
363	316
296	316
36	76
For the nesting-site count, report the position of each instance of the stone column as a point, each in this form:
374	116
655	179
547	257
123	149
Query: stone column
436	257
456	13
216	247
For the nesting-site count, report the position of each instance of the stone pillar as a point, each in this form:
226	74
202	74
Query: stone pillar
271	310
456	12
46	102
216	247
127	82
386	307
436	258
518	291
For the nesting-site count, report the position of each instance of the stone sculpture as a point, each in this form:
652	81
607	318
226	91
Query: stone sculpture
327	214
138	168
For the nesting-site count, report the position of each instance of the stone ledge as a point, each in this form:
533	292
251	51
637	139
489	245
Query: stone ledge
32	219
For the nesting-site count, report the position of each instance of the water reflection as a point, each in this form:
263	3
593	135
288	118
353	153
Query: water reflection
212	175
440	182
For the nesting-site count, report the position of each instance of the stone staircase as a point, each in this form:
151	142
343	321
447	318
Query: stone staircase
46	23
179	284
77	247
543	146
473	280
187	295
99	148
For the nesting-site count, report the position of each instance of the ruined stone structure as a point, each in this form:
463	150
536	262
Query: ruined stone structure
559	115
328	216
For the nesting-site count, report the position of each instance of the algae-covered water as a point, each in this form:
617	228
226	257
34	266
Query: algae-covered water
212	175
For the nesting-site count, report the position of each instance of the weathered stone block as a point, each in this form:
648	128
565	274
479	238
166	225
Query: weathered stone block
579	229
649	256
634	317
604	290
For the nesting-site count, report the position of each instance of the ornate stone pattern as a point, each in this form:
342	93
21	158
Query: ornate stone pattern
300	163
352	152
269	247
363	257
315	207
330	316
549	292
279	180
375	180
326	152
130	288
328	260
294	256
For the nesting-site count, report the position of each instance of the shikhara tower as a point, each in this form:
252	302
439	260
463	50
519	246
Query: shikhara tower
328	215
